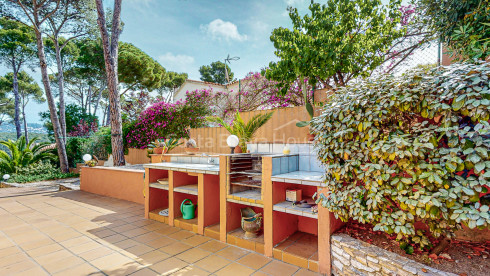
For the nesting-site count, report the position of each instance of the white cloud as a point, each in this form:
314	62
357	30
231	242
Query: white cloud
219	29
178	63
295	2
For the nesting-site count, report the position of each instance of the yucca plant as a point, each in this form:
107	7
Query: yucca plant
20	154
244	131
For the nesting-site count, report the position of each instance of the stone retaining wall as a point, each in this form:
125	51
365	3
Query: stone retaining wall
354	257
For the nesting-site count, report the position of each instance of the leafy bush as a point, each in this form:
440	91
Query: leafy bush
169	120
462	25
38	172
99	143
74	113
415	148
75	150
21	154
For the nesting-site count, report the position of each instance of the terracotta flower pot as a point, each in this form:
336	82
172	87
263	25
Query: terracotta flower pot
191	151
158	150
238	149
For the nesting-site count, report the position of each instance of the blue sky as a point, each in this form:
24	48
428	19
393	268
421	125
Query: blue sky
185	34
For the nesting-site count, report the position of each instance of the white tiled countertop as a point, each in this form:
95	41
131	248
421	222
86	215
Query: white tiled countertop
185	167
300	177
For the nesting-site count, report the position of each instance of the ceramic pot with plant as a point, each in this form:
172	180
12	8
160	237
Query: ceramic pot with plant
244	131
170	144
191	147
251	222
157	146
309	109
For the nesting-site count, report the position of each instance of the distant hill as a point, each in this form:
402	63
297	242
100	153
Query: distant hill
31	127
4	136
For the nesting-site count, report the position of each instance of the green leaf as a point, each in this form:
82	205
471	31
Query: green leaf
479	166
302	124
457	105
309	108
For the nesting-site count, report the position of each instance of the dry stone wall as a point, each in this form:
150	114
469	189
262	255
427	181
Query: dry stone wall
354	257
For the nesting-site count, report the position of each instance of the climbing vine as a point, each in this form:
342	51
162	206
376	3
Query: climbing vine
410	149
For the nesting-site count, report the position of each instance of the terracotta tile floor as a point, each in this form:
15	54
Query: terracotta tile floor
78	233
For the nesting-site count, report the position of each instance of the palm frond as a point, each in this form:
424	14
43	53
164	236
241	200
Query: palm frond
221	122
255	123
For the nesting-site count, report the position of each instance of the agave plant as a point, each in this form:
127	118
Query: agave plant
244	131
167	144
171	143
20	154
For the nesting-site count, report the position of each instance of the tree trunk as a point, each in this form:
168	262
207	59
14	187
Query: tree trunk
103	116
26	133
61	83
89	99
110	58
60	144
18	130
108	115
97	102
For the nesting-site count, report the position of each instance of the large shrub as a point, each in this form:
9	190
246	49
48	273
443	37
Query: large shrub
74	114
20	153
75	150
415	148
165	120
99	143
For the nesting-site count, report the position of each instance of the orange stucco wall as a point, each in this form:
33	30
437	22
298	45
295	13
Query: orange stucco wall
113	182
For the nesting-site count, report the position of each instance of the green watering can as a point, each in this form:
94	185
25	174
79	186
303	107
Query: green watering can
188	209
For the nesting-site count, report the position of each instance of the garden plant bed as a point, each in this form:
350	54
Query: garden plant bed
466	258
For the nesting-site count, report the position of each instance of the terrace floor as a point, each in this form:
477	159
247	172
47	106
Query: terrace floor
46	232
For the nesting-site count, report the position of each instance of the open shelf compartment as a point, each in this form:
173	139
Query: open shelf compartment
300	248
158	195
234	233
295	229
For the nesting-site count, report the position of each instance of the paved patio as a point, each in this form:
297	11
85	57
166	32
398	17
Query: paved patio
78	233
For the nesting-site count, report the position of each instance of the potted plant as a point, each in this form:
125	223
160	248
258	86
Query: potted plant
309	109
170	144
162	146
157	146
244	131
191	147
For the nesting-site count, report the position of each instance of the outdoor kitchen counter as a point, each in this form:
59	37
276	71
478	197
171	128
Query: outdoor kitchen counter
185	167
300	177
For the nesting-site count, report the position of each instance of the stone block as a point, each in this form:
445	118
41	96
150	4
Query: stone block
410	268
343	260
371	259
374	266
360	266
336	238
361	260
338	265
337	250
387	271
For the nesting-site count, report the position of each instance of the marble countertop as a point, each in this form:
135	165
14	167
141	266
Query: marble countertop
185	167
300	177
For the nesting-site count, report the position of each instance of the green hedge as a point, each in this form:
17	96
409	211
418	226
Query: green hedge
415	148
39	171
